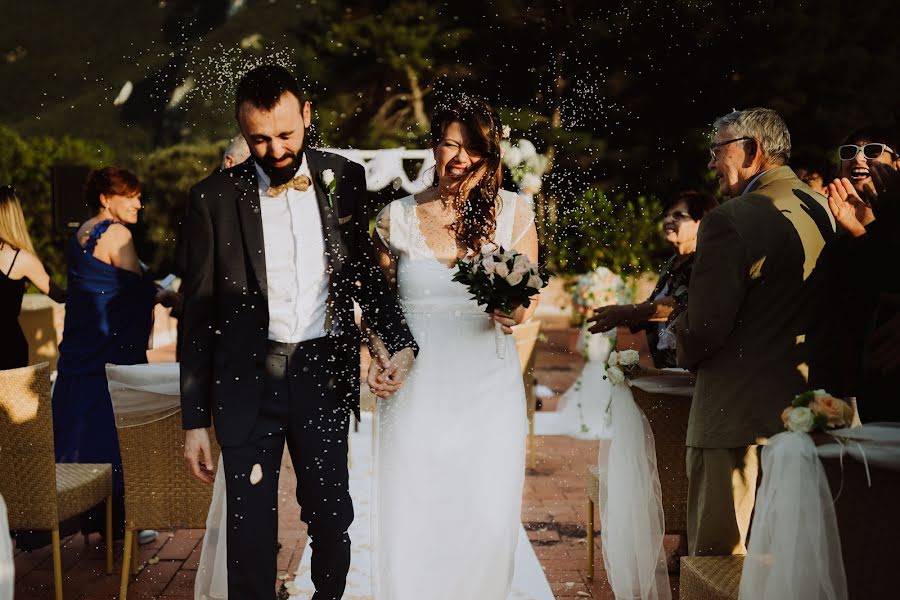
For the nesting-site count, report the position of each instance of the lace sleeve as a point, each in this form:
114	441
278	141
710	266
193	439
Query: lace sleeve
523	220
383	225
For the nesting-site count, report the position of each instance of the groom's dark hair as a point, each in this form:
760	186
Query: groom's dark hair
263	87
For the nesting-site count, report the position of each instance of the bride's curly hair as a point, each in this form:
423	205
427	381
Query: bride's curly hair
476	221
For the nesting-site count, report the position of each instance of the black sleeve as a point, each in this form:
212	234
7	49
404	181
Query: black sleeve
197	317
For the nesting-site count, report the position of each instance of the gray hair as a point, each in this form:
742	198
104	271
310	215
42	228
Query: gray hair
763	125
237	149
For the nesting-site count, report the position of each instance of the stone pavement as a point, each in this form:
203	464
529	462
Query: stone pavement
553	510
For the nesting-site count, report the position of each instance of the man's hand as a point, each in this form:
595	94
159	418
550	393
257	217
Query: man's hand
848	208
198	455
612	316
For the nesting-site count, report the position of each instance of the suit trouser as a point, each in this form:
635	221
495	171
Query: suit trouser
721	494
299	407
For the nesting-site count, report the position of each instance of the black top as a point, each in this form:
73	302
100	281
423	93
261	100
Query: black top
14	348
676	277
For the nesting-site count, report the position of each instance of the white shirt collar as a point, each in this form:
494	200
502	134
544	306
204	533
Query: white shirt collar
265	181
754	180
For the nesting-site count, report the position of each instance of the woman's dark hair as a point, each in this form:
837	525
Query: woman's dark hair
699	203
879	134
110	181
263	87
477	213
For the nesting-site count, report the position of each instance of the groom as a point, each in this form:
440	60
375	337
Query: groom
276	250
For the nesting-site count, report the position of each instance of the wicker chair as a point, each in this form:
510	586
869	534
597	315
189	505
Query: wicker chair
710	577
526	336
160	492
668	418
39	492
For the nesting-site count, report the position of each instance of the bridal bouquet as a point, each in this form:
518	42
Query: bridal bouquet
500	279
622	366
600	287
814	410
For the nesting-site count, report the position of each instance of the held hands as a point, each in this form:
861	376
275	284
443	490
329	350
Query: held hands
849	210
506	321
168	298
198	455
387	373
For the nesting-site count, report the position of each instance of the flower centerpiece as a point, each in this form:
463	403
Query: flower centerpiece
525	164
499	279
816	410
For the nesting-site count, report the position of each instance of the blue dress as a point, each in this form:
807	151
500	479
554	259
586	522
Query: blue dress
108	320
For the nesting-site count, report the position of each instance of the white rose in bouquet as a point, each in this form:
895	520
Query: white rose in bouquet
535	282
615	375
629	357
801	419
521	263
489	266
501	269
488	249
613	360
514	278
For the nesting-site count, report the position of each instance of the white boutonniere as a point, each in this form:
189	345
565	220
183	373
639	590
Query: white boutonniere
329	183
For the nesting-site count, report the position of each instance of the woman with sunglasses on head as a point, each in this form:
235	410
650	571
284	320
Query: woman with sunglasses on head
18	266
847	194
681	218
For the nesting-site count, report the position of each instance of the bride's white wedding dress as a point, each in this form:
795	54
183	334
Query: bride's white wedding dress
450	455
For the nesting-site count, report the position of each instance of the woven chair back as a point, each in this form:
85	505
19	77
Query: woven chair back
27	461
668	418
160	491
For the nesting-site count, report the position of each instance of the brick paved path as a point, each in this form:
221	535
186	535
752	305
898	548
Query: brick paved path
553	510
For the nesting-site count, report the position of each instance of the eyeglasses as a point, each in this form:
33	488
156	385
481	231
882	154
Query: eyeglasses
717	145
677	216
871	151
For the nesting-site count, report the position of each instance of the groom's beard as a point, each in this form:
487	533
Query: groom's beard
281	175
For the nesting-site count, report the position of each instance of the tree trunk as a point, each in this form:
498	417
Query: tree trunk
417	100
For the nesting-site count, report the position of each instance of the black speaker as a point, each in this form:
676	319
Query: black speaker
69	207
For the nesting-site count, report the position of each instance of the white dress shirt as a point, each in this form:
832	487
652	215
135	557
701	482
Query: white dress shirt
296	266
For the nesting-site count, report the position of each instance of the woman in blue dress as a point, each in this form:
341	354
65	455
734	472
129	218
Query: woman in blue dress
108	320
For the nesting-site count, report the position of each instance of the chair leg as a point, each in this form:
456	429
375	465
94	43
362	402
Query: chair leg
590	540
126	563
134	553
109	536
57	565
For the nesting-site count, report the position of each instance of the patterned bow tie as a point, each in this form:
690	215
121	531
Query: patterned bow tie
300	183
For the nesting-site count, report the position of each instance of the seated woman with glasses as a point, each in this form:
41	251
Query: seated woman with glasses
681	218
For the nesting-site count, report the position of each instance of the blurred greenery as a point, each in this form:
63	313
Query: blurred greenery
619	96
618	232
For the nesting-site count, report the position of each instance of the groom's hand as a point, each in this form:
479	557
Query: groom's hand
198	455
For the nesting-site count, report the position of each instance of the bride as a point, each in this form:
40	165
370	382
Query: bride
451	442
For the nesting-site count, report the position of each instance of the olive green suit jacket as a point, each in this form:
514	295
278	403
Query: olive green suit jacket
755	294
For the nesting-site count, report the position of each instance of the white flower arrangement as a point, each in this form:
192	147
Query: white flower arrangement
814	410
622	366
600	287
526	165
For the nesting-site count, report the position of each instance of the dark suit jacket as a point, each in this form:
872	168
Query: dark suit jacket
226	313
755	294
